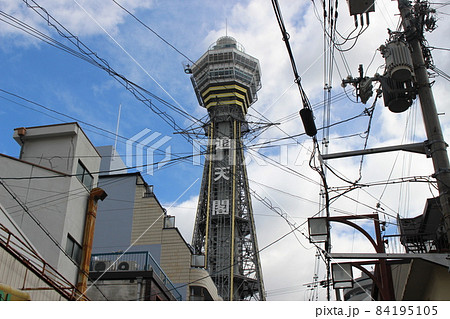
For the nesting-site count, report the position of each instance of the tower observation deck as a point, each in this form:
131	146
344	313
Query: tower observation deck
226	80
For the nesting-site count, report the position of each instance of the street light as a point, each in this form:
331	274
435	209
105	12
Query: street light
342	275
319	233
318	229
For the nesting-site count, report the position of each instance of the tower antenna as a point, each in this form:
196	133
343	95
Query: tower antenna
226	27
117	126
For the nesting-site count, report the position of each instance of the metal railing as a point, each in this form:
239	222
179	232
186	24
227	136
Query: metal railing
415	244
393	245
26	254
132	261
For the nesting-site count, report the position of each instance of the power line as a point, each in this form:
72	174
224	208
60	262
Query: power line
18	24
302	134
42	227
164	40
335	98
107	171
139	92
287	169
286	36
85	123
55	197
153	31
284	192
278	210
293	229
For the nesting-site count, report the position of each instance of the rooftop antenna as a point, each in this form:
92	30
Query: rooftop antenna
117	126
226	27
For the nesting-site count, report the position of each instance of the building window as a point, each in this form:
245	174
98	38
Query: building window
149	191
84	176
74	249
169	221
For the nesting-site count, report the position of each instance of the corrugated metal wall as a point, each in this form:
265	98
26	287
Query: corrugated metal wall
13	273
147	212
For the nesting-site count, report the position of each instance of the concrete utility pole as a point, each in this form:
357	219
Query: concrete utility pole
436	143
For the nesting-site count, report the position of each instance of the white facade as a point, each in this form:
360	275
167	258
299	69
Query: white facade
47	190
24	278
112	163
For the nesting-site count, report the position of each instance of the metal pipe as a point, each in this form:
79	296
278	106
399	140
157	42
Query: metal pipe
208	202
8	293
89	226
139	288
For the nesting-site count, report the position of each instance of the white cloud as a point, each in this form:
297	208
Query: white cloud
184	213
192	28
72	14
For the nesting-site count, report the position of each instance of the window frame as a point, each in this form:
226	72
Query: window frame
74	249
83	174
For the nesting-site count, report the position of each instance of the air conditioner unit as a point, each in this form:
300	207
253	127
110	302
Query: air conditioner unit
198	261
127	265
103	265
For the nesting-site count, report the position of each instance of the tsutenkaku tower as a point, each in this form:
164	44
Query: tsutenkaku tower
226	80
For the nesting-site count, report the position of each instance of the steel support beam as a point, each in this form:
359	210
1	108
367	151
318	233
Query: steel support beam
420	148
441	259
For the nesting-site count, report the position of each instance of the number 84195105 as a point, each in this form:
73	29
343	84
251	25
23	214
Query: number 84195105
407	310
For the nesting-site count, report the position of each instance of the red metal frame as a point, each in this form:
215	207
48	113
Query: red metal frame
38	266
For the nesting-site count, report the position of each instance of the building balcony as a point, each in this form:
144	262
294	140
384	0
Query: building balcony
131	261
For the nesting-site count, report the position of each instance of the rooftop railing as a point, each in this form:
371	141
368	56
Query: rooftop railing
132	261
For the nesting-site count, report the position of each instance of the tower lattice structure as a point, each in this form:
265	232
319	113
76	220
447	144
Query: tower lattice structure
226	80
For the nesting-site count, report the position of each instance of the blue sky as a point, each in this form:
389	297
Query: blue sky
57	80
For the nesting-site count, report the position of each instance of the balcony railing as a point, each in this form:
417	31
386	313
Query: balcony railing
132	261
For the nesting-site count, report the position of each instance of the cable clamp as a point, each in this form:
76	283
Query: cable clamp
440	171
428	145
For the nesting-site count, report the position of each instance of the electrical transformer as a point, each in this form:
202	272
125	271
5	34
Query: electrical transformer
398	59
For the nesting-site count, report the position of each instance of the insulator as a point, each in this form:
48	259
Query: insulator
187	68
308	122
365	89
399	65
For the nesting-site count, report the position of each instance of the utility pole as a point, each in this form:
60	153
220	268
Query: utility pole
436	143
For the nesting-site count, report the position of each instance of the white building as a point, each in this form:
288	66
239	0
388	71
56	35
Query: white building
45	191
24	274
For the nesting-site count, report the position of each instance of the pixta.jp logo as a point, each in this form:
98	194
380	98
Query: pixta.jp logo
144	147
